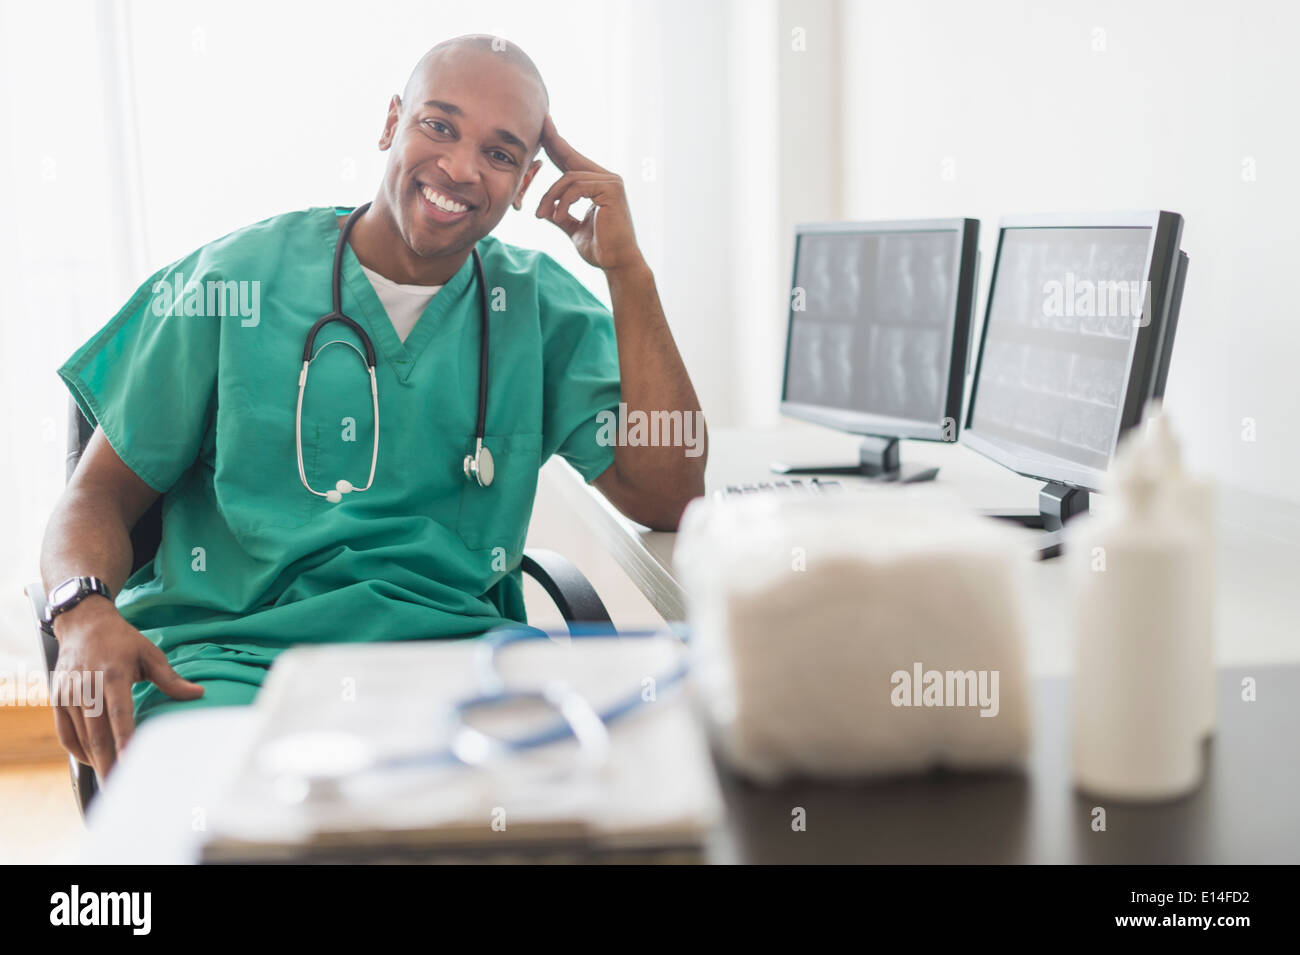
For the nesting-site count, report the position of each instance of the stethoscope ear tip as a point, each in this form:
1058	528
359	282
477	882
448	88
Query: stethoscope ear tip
341	487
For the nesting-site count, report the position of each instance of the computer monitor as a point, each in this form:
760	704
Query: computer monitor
879	322
1077	335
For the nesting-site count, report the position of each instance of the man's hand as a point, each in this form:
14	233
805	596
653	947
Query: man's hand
604	236
94	715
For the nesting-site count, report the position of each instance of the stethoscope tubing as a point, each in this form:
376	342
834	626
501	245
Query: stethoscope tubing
310	352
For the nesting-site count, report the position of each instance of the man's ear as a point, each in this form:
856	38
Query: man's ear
390	122
523	186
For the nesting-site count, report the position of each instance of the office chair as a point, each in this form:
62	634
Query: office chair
563	582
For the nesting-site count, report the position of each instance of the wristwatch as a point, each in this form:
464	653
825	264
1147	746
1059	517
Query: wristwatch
70	593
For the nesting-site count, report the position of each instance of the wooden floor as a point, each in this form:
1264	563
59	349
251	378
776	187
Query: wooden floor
39	821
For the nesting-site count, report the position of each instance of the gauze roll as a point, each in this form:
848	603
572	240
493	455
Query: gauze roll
856	634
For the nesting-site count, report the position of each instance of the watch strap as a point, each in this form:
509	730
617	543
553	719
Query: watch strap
72	592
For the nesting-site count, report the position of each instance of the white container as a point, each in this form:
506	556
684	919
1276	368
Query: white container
1136	729
1192	503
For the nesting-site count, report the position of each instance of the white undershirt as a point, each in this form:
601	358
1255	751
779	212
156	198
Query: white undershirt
403	303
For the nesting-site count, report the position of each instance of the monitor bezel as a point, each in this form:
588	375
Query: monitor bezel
946	428
1144	380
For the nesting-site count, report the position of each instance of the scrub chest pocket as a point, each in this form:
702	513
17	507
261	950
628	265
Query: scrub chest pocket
256	480
497	515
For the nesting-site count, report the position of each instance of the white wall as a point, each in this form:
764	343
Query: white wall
784	109
1104	105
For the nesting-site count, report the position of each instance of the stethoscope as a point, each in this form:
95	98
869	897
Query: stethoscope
312	765
478	466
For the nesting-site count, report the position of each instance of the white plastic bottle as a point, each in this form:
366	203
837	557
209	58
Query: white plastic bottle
1192	503
1135	737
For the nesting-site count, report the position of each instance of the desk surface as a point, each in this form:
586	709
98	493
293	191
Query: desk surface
1244	813
154	808
1258	603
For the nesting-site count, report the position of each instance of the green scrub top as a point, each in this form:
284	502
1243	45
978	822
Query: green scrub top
194	383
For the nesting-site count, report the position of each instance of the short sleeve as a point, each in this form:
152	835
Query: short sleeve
148	378
581	387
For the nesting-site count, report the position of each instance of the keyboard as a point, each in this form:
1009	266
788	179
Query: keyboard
793	486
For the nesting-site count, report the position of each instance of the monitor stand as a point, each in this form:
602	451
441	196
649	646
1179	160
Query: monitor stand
877	459
1057	503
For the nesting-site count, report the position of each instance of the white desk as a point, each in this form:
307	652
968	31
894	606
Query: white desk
1258	610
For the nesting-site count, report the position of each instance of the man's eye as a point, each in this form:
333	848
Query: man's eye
500	156
435	125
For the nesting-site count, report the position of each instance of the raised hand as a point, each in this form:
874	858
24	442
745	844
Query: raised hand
604	236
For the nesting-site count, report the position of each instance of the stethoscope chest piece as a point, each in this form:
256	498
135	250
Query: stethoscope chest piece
479	466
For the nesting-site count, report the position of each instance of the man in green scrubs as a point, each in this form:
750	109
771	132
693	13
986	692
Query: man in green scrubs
199	404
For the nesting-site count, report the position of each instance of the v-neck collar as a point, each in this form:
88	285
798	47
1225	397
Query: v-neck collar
401	356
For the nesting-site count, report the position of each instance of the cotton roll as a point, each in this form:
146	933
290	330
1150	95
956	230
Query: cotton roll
856	634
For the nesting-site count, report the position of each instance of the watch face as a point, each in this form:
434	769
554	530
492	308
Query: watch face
65	591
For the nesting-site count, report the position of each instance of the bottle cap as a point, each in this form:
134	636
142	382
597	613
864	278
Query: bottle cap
1168	451
1136	473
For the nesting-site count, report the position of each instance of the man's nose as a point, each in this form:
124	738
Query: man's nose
460	163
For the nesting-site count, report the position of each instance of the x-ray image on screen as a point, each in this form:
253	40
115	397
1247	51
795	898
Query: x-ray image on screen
872	321
1060	327
820	356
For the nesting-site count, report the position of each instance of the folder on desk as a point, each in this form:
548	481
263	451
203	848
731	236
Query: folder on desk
654	798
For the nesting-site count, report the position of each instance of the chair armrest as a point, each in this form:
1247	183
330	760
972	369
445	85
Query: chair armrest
565	584
49	646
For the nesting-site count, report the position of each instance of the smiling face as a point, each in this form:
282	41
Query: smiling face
462	140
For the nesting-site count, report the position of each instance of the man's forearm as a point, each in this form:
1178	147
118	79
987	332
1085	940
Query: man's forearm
653	378
86	535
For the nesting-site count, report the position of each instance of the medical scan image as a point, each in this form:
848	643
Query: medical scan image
1062	317
874	331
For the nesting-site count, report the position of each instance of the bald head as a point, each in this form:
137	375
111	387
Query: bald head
460	49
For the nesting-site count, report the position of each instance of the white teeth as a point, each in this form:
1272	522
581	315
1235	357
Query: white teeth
441	201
